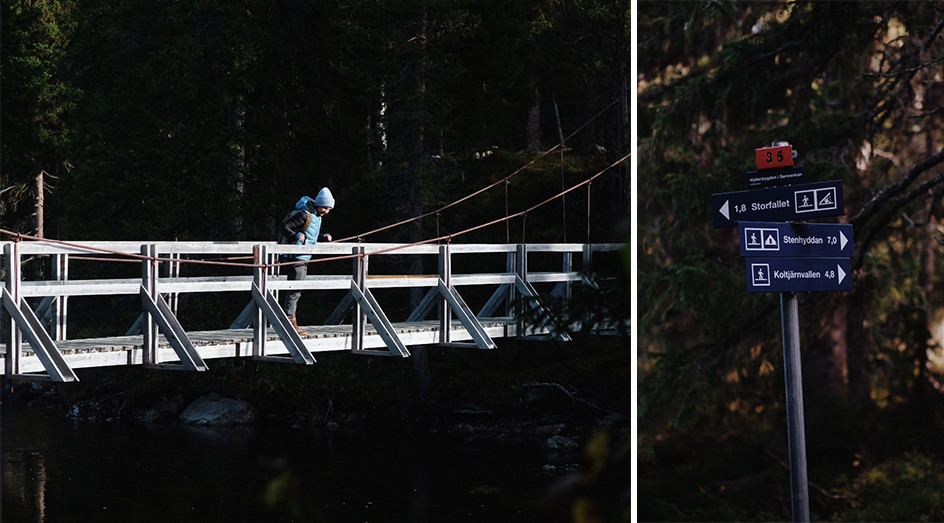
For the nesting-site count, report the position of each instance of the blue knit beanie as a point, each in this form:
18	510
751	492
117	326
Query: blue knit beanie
324	198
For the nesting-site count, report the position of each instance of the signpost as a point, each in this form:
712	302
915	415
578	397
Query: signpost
796	239
798	274
788	258
792	202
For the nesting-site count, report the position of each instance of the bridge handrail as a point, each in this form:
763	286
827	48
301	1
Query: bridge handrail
133	248
184	284
196	284
254	269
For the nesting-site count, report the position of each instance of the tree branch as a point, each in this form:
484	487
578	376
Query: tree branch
889	191
897	203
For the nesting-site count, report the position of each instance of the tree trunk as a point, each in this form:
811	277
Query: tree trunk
827	358
623	195
533	130
857	353
40	204
238	167
414	202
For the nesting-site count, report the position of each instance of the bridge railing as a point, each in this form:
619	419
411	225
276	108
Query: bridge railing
36	302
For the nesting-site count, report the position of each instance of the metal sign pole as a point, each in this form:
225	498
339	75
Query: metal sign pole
796	431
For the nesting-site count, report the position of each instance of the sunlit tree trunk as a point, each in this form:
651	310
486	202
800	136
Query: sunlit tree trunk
40	204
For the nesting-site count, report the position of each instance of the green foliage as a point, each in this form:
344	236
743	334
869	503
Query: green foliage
907	489
846	84
699	477
37	101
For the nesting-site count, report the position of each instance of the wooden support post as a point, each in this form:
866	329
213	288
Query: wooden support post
171	269
149	283
511	264
259	321
359	319
568	266
14	339
269	312
445	313
521	269
60	272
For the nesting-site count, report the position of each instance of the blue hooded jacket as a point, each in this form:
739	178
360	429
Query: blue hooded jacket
314	228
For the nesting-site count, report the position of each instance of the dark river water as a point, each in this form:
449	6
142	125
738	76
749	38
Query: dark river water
56	470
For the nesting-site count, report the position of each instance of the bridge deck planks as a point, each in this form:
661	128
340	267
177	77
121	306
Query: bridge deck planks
235	343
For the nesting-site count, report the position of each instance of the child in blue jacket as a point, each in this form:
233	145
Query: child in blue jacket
303	227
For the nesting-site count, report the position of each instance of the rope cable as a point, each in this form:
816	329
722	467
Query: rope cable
138	257
490	186
449	237
16	236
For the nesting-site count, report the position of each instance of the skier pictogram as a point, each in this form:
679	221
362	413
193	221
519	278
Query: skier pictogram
760	274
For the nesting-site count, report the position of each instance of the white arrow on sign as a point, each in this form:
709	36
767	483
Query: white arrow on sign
842	241
842	273
724	210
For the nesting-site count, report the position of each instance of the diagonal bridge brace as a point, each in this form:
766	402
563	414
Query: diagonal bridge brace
528	291
40	341
273	312
172	330
464	314
379	320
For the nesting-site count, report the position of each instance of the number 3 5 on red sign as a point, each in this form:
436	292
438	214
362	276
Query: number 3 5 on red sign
770	157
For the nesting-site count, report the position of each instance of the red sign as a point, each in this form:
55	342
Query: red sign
770	157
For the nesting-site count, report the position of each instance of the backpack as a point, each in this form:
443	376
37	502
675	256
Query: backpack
304	227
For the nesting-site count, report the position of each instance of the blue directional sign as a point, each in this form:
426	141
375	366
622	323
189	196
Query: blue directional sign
796	239
798	274
789	203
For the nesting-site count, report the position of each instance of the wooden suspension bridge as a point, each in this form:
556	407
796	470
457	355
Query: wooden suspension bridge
36	344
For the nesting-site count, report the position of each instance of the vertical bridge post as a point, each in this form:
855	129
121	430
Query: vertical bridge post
159	318
268	311
259	320
445	313
56	313
12	284
358	317
149	289
25	322
521	270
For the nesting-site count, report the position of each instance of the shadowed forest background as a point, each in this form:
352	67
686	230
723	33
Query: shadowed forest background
206	120
856	88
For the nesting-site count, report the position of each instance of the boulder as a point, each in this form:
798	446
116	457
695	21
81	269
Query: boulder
214	410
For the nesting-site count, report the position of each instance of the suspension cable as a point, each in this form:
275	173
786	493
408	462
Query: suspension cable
449	237
359	237
490	186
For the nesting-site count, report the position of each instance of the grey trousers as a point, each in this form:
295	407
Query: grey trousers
295	272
